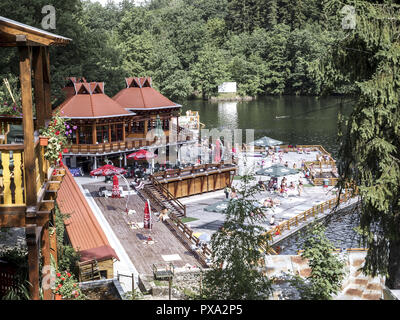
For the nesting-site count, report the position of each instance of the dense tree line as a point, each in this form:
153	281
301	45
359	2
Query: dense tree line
188	46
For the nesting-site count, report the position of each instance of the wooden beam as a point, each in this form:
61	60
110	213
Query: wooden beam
18	219
37	64
29	152
33	260
46	83
45	250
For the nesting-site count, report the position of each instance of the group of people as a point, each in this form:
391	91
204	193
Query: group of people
272	186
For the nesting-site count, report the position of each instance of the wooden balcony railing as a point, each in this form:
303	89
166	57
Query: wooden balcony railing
12	174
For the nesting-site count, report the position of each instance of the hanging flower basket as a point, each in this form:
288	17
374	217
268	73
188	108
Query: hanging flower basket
58	296
44	141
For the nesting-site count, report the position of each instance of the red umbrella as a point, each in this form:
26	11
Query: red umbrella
141	155
147	222
107	170
116	193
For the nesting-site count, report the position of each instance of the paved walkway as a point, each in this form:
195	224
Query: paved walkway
209	222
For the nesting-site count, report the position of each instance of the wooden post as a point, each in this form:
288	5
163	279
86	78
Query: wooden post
33	260
46	83
53	246
27	122
170	287
94	133
39	85
45	239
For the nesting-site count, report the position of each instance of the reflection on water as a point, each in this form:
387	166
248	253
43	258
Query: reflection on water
307	120
228	114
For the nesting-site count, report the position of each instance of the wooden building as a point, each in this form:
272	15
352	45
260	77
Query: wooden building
83	231
111	128
28	187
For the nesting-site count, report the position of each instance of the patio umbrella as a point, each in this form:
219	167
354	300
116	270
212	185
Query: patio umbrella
107	170
116	193
276	171
147	218
266	142
142	154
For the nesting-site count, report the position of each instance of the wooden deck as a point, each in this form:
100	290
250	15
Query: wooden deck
142	255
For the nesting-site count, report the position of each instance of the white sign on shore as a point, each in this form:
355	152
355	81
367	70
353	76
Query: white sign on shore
227	87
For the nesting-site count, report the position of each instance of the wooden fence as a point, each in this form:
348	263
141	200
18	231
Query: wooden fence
302	217
12	173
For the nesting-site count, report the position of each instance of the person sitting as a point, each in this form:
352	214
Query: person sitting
139	184
261	185
286	164
233	194
267	203
163	214
272	220
292	186
294	165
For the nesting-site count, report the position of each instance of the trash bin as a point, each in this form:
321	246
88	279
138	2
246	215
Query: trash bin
326	183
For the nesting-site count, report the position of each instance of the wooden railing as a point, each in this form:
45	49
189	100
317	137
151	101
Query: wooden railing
119	146
205	251
109	147
337	250
12	176
302	217
169	195
320	181
12	173
194	171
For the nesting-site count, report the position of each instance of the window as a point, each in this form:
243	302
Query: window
102	134
85	135
138	127
165	124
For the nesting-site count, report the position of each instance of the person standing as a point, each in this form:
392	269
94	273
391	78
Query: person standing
227	191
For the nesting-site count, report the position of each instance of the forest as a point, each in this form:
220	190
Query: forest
189	47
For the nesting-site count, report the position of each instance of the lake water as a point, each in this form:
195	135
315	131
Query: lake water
308	120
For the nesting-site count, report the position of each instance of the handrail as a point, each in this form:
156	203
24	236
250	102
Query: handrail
314	210
169	195
340	250
206	251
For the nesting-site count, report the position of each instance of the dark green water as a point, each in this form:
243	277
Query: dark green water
310	120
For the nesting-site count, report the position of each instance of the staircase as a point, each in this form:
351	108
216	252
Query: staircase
160	197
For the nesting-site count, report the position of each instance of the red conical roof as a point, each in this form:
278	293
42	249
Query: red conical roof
90	101
140	95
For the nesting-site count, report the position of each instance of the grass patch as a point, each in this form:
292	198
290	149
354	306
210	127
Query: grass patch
188	219
308	185
160	283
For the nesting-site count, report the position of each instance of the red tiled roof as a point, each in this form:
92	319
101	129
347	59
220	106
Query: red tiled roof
139	95
83	229
89	101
